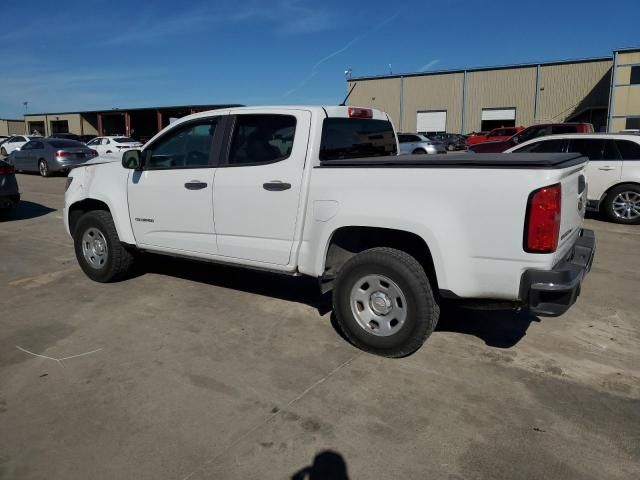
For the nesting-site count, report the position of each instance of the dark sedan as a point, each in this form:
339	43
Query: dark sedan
48	155
9	193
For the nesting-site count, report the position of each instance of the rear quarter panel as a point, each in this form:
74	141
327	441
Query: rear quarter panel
471	219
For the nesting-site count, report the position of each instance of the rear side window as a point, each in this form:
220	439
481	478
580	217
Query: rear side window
262	138
591	148
628	150
356	138
124	140
545	146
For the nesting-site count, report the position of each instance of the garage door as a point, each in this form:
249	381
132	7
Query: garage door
434	121
499	114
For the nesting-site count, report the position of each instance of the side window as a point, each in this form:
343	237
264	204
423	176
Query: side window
563	129
403	138
628	150
21	139
591	148
95	141
260	139
545	146
610	151
184	147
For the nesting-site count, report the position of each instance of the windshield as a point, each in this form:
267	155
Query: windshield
355	138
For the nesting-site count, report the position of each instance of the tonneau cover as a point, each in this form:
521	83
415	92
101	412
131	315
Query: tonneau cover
466	160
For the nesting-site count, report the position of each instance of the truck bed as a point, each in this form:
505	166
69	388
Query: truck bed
466	160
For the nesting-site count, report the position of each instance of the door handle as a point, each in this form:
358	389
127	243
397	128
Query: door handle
276	186
195	185
606	168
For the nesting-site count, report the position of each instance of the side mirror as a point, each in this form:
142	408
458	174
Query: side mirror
132	159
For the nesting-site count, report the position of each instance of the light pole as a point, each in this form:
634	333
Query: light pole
26	128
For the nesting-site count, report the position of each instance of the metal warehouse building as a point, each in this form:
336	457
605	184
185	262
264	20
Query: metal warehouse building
604	91
140	123
10	127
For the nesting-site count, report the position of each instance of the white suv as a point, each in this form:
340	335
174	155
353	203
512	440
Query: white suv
613	172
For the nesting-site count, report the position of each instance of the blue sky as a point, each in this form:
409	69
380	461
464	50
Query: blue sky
76	55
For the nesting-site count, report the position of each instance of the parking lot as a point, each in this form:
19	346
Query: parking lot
193	371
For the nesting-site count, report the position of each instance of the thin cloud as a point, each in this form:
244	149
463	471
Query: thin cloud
345	47
428	66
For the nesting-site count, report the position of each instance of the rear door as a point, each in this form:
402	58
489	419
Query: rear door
257	191
171	199
630	153
605	165
20	157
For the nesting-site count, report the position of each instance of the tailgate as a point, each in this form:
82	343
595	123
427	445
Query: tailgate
574	204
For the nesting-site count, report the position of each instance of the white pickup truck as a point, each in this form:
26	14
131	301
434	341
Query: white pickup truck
321	191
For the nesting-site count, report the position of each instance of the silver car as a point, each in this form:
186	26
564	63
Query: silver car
414	143
48	155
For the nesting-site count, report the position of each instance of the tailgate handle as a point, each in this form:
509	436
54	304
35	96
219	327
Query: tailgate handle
276	186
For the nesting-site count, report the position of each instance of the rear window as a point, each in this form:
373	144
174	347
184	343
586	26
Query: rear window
65	143
124	140
356	138
628	149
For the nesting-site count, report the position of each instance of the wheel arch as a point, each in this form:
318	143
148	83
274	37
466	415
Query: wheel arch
616	185
77	209
347	241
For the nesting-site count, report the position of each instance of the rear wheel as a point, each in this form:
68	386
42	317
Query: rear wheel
419	151
622	204
384	303
98	249
43	168
451	147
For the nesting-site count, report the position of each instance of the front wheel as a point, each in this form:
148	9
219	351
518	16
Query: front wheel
43	168
622	204
98	249
419	151
384	303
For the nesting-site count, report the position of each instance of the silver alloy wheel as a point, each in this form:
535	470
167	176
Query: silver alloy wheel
626	205
94	248
378	305
43	167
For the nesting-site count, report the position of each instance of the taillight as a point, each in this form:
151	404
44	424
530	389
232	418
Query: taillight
93	152
542	225
63	153
355	112
7	169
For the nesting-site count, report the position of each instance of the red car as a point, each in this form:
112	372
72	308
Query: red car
528	133
496	134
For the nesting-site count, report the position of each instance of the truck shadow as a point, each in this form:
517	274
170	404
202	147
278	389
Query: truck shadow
497	328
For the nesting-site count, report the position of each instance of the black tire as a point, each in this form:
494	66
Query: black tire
451	147
422	310
419	151
119	262
608	204
3	152
43	168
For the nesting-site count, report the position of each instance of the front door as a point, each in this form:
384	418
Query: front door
257	192
171	199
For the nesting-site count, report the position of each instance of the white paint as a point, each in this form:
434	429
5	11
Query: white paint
432	121
498	114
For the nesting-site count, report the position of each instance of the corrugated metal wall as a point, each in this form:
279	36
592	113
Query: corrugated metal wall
564	90
433	92
570	88
383	94
508	88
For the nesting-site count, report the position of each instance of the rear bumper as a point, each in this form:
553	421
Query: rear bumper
550	293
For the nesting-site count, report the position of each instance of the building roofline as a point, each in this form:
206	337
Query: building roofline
12	119
479	69
627	49
122	110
